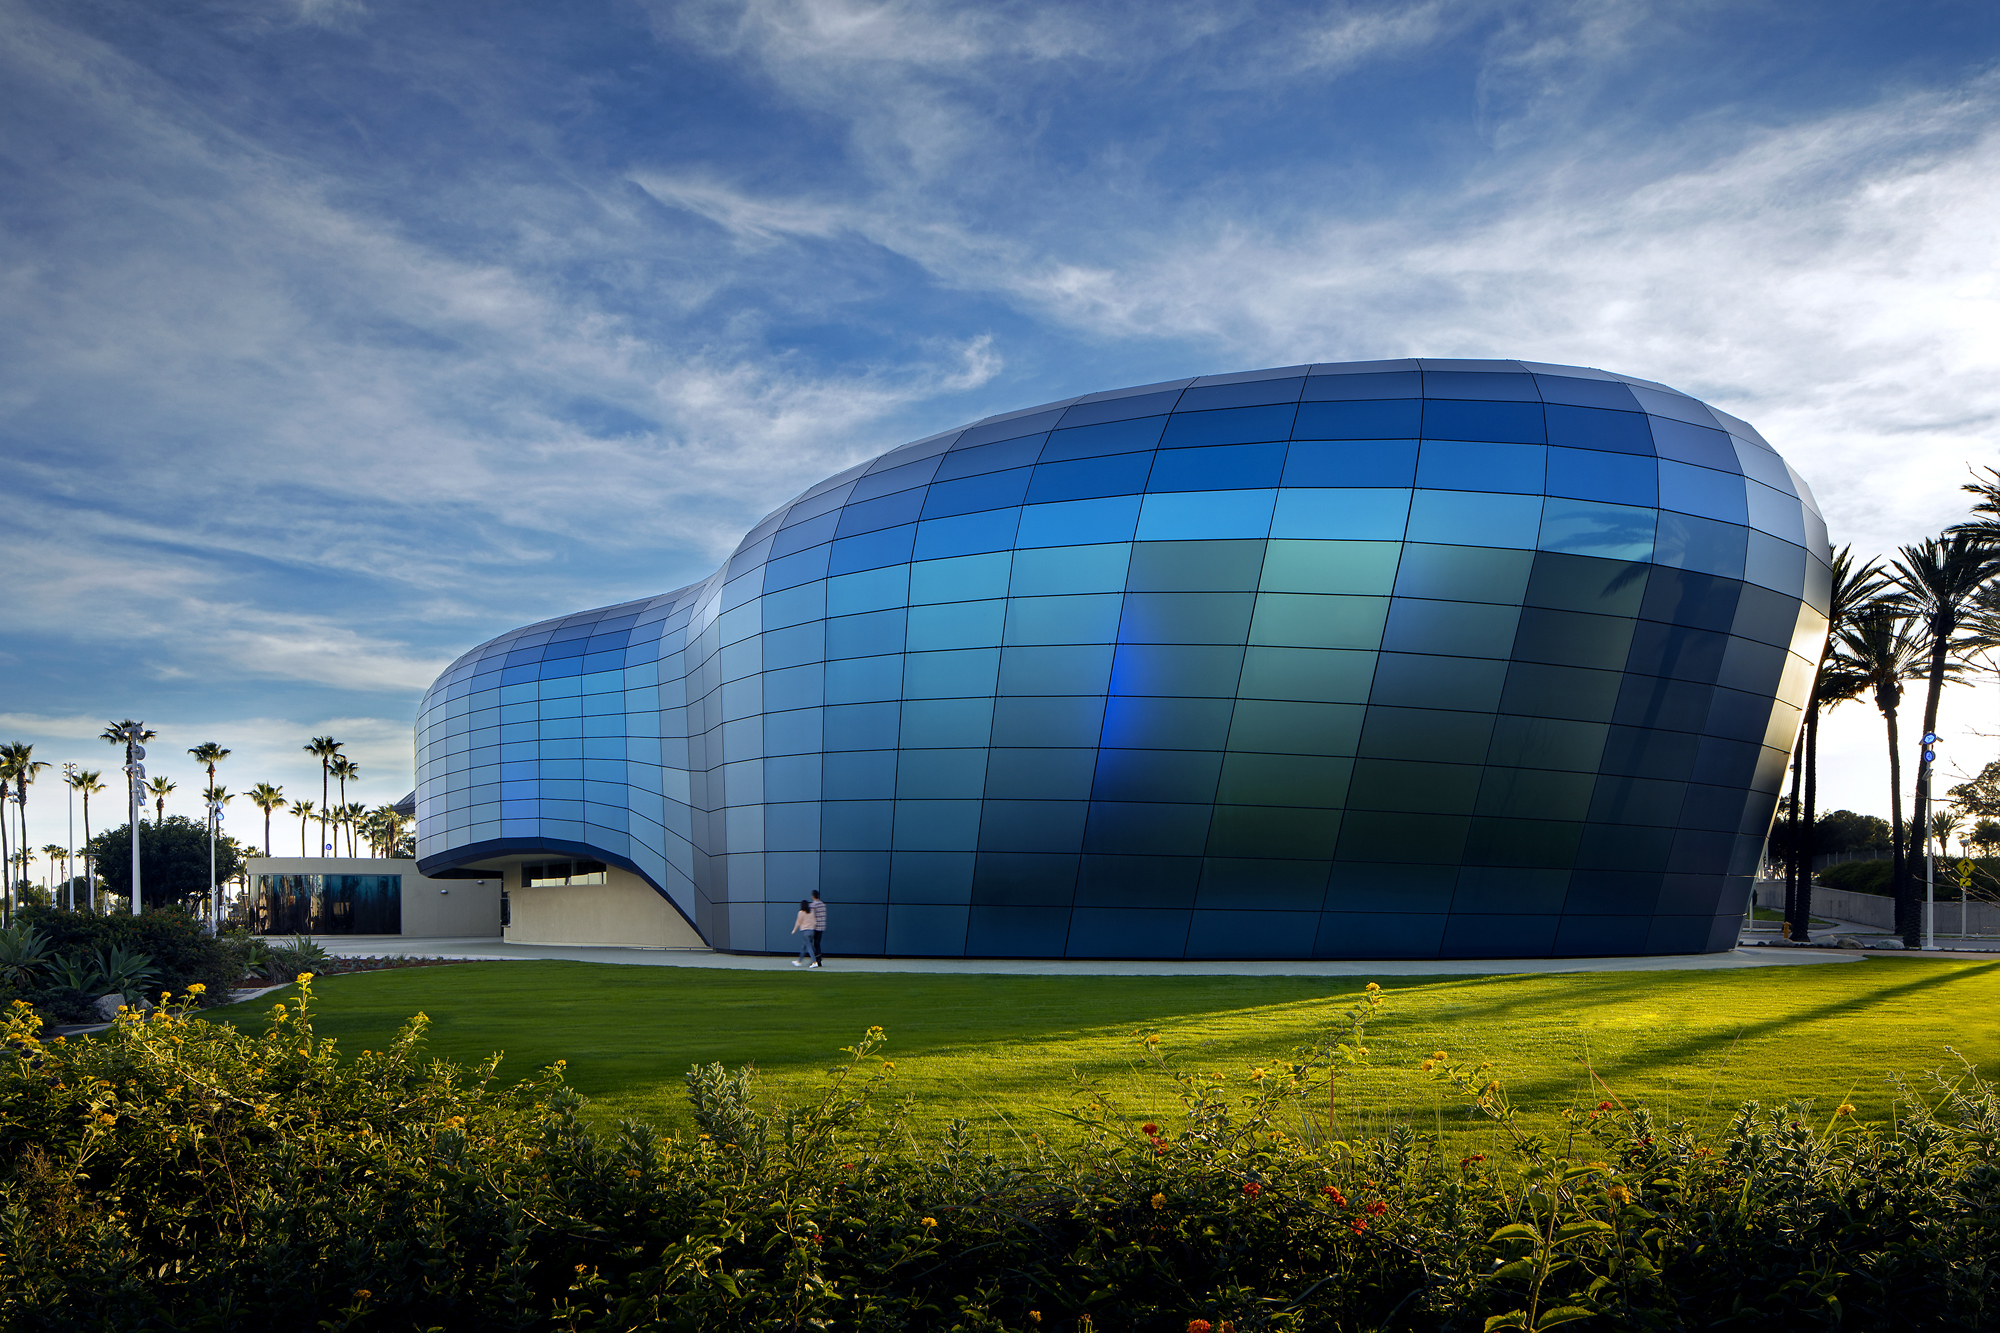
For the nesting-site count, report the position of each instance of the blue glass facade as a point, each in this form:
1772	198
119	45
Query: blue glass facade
1383	659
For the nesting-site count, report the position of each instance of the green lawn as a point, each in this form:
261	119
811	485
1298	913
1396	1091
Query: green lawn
1006	1051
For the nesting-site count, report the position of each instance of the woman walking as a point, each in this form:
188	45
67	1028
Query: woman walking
802	926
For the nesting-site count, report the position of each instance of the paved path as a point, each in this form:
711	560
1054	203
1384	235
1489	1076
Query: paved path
364	946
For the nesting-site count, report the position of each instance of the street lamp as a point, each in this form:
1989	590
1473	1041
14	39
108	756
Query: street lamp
1930	839
69	854
135	771
214	826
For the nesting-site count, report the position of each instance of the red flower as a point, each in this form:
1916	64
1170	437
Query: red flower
1149	1129
1339	1199
1199	1326
1377	1208
1159	1147
1252	1188
1604	1106
1358	1225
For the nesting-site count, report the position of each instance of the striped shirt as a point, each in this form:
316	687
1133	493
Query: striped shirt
819	914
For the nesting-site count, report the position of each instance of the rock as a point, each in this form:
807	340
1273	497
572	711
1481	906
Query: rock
1888	944
1847	942
106	1006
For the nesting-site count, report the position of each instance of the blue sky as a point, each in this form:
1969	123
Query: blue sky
342	336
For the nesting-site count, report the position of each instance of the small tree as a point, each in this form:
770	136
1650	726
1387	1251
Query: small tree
173	860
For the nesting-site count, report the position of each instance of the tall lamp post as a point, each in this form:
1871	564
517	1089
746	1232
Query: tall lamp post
135	771
1930	840
69	855
214	826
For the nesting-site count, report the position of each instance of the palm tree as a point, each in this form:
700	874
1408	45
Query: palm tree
385	829
1854	587
1885	649
6	842
305	811
267	798
344	768
1936	581
1944	827
161	789
327	749
352	815
87	781
22	766
55	854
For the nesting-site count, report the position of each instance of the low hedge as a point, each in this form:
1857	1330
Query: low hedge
177	1174
1878	877
180	952
1859	877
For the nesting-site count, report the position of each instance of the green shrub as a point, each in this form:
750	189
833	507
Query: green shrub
1860	877
177	1174
178	951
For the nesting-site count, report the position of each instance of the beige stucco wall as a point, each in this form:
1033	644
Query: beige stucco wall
622	911
432	908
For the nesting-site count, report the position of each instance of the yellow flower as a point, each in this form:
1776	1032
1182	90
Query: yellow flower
888	1064
454	1122
260	1109
1159	1202
1034	1316
1438	1055
1845	1108
930	1221
198	989
1618	1194
1257	1075
1371	988
305	976
1428	1066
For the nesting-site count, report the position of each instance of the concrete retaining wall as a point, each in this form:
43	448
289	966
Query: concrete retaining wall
1879	912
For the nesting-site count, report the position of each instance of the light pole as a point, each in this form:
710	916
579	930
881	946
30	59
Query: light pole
214	823
69	856
1930	840
135	772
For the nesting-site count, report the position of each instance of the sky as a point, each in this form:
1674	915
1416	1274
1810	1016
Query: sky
337	337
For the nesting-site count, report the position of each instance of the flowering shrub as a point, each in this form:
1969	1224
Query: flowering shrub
180	1174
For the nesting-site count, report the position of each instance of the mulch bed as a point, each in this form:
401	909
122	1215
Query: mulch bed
337	966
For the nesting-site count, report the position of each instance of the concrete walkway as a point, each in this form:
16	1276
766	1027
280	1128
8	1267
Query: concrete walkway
385	946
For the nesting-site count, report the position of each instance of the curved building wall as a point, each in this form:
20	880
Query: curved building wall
1413	658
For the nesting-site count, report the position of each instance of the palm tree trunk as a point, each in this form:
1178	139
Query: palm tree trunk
1792	832
323	776
1909	921
267	832
89	882
1802	904
1896	814
6	859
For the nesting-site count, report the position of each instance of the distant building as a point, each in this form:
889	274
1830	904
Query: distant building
1380	659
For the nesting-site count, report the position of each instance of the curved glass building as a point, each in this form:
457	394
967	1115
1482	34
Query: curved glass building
1383	659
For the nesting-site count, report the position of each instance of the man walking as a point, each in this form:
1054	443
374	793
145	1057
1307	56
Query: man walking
819	924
